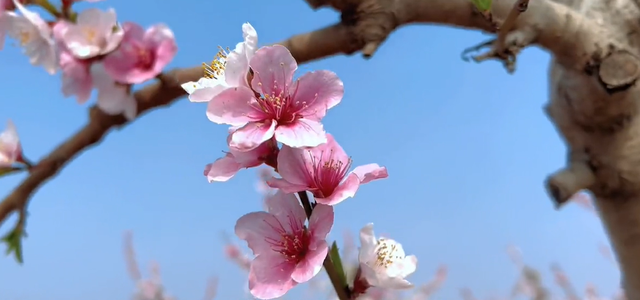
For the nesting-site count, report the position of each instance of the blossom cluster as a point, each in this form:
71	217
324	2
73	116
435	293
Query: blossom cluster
276	120
91	49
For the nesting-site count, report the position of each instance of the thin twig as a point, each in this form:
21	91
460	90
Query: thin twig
343	292
153	96
519	7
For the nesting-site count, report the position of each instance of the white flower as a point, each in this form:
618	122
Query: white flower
383	261
34	35
226	70
93	34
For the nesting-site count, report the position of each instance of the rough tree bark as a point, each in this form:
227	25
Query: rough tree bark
593	96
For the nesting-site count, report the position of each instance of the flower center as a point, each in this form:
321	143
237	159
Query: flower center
90	34
215	69
293	244
388	252
25	37
327	173
145	58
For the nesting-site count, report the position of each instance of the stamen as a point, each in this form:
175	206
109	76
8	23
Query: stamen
215	69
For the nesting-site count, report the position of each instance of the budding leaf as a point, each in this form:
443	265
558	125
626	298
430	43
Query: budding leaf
4	171
482	5
334	253
14	243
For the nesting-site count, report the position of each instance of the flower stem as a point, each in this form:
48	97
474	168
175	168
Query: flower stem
343	291
48	7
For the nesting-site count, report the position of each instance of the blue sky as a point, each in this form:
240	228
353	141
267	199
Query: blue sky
466	145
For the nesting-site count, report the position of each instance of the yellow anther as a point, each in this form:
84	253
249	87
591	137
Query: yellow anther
215	69
25	37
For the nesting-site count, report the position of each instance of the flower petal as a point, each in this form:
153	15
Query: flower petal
250	136
273	68
410	264
286	186
206	94
368	243
10	148
301	133
253	228
321	222
320	90
236	69
250	40
231	106
395	283
370	172
113	99
270	276
222	169
330	151
287	209
311	265
293	166
346	189
255	157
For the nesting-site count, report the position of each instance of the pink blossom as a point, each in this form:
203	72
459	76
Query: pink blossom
93	34
113	98
34	35
226	167
287	252
10	148
142	55
290	111
323	170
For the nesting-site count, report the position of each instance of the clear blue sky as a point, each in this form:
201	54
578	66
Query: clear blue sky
466	145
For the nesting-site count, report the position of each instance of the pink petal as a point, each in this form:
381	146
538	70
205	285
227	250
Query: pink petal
293	164
165	48
222	169
370	172
233	106
285	186
133	31
253	228
287	209
321	222
311	265
329	151
273	68
346	189
270	276
321	90
301	133
250	136
255	157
